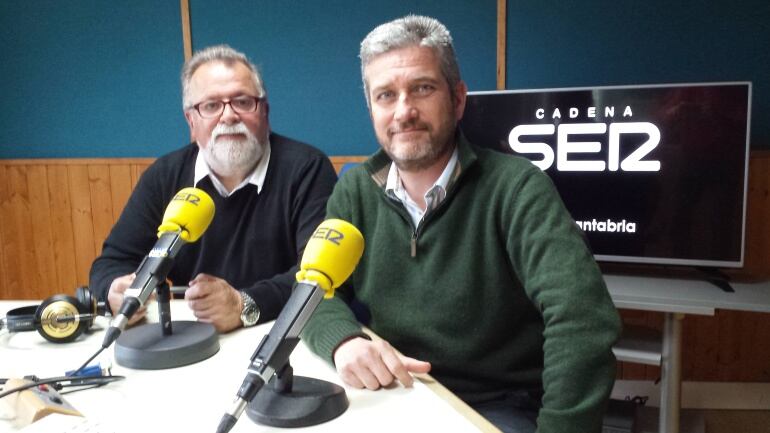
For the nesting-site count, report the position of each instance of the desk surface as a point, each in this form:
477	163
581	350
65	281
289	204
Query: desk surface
194	397
685	295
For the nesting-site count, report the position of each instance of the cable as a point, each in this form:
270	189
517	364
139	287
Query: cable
82	381
89	360
83	388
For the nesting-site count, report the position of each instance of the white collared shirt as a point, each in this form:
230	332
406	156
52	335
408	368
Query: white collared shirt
257	176
435	195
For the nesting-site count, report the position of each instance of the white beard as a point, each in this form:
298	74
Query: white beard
232	157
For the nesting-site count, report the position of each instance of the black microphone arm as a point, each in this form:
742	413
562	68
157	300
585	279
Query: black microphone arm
151	272
274	350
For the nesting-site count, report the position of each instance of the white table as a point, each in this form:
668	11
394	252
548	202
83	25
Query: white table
193	398
675	298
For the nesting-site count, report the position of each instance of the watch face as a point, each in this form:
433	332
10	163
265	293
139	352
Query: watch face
249	317
250	312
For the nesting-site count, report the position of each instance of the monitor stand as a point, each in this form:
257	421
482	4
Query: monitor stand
715	277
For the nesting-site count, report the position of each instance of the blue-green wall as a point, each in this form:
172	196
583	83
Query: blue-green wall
308	54
101	79
92	78
553	43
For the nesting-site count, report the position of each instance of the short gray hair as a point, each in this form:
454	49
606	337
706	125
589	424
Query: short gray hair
217	53
409	31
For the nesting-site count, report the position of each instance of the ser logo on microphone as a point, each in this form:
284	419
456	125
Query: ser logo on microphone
331	235
186	196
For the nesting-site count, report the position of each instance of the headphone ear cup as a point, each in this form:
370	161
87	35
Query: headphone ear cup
87	305
59	319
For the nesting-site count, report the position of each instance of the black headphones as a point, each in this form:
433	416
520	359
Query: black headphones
60	318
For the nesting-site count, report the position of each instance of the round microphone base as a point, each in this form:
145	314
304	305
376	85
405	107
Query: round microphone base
145	347
310	402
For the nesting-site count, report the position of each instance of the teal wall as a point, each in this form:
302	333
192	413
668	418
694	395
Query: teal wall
91	78
308	54
101	79
553	43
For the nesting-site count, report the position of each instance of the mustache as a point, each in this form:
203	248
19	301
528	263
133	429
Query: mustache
222	129
407	127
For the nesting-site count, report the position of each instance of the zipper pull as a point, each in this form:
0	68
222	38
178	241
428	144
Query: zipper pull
414	245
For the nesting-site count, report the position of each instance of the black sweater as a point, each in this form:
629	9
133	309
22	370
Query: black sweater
255	240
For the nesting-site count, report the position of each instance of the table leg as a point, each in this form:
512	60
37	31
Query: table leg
671	373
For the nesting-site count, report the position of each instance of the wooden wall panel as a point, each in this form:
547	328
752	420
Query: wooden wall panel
757	260
55	214
5	210
101	204
63	237
18	236
704	345
728	350
39	220
82	220
121	185
3	272
136	172
753	333
339	161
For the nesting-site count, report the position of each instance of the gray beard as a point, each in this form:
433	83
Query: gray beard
233	158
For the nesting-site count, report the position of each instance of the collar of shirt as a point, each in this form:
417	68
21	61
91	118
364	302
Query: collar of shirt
257	176
433	197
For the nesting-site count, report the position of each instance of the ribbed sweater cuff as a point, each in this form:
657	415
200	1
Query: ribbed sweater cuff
335	334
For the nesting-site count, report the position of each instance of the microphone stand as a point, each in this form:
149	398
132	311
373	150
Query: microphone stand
296	401
164	308
286	400
149	348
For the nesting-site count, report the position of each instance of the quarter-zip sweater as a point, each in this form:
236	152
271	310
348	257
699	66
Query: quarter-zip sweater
496	288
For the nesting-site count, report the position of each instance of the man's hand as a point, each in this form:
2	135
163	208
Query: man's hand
213	300
117	293
371	364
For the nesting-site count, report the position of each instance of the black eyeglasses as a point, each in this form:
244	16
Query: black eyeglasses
215	108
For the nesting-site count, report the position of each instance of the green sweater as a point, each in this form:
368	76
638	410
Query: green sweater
496	287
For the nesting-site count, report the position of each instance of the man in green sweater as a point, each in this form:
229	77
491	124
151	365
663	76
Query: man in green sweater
473	268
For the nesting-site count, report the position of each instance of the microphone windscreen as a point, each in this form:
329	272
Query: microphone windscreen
190	212
331	254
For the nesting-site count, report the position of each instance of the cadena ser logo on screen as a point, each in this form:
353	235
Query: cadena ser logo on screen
569	142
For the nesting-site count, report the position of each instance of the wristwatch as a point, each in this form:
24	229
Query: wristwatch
250	311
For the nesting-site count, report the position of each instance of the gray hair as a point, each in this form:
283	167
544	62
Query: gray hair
217	53
409	31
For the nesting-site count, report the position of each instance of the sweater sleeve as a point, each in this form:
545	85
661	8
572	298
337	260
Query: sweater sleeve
132	236
314	184
333	321
581	323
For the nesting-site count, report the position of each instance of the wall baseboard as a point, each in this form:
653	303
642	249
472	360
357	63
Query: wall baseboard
701	395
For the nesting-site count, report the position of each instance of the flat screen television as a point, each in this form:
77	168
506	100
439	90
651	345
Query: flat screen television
652	174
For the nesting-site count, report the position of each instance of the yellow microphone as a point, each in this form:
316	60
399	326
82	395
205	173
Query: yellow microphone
189	213
330	256
186	218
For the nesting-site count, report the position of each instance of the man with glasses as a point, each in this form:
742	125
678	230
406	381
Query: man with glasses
269	192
